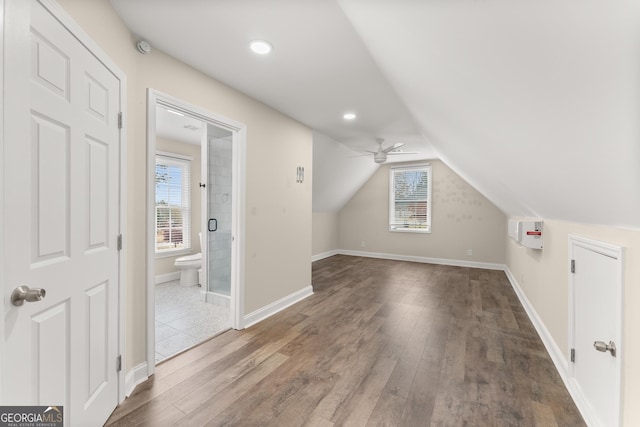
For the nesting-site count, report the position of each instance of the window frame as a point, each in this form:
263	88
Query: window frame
186	208
392	224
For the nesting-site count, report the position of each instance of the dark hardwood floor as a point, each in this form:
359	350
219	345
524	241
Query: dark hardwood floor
379	343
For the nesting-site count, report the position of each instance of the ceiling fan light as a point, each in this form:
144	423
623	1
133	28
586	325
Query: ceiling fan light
380	157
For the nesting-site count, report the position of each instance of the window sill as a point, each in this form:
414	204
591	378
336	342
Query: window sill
173	253
411	230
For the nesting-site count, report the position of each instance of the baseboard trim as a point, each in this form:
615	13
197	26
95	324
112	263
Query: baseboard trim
163	278
135	376
424	260
324	255
559	360
552	348
276	306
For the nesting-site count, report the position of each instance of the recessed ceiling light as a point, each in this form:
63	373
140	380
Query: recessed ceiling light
349	116
261	47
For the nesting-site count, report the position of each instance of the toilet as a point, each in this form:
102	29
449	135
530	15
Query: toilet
189	267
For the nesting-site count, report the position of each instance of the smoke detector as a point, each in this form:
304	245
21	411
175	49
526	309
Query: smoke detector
143	47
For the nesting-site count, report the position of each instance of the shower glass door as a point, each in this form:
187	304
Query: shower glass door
219	215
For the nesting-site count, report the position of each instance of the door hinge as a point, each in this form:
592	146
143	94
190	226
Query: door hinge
573	265
119	120
119	242
573	355
119	363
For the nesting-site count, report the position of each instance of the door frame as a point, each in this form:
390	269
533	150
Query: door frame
239	131
78	32
615	252
3	286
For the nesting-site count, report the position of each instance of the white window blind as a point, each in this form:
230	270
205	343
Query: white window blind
410	199
173	203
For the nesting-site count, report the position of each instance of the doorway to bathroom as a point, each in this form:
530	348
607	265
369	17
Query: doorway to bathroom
194	225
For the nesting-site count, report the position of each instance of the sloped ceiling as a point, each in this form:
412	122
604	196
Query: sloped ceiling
330	193
536	104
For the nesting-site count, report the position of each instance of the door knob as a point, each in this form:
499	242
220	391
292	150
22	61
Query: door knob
22	293
603	347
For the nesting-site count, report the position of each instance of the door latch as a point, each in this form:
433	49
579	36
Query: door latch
604	347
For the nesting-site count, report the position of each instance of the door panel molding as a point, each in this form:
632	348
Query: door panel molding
83	37
16	13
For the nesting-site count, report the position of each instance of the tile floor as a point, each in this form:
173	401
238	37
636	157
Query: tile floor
183	319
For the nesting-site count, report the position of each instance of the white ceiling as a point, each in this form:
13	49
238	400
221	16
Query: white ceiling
178	127
534	103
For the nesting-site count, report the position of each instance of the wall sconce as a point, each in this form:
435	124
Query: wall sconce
300	175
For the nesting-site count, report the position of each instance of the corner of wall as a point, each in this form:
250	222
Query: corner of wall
135	376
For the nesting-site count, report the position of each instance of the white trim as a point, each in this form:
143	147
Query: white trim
150	232
276	306
169	277
425	260
392	196
83	37
174	155
122	300
549	343
78	32
3	285
615	252
155	98
135	376
177	253
408	165
323	255
559	360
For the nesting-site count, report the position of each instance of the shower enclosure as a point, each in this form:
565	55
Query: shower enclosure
218	155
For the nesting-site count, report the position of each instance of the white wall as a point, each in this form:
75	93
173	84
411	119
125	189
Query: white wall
462	219
325	233
543	276
340	172
278	210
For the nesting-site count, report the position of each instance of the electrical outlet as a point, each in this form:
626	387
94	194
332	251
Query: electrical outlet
469	252
362	244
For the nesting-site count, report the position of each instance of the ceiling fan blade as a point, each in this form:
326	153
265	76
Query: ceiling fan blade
393	147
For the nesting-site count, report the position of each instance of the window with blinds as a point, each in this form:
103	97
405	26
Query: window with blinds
410	199
173	203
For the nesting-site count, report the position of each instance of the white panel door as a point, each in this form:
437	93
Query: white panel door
61	211
596	291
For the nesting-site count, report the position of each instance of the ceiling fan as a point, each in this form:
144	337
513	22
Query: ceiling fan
380	156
